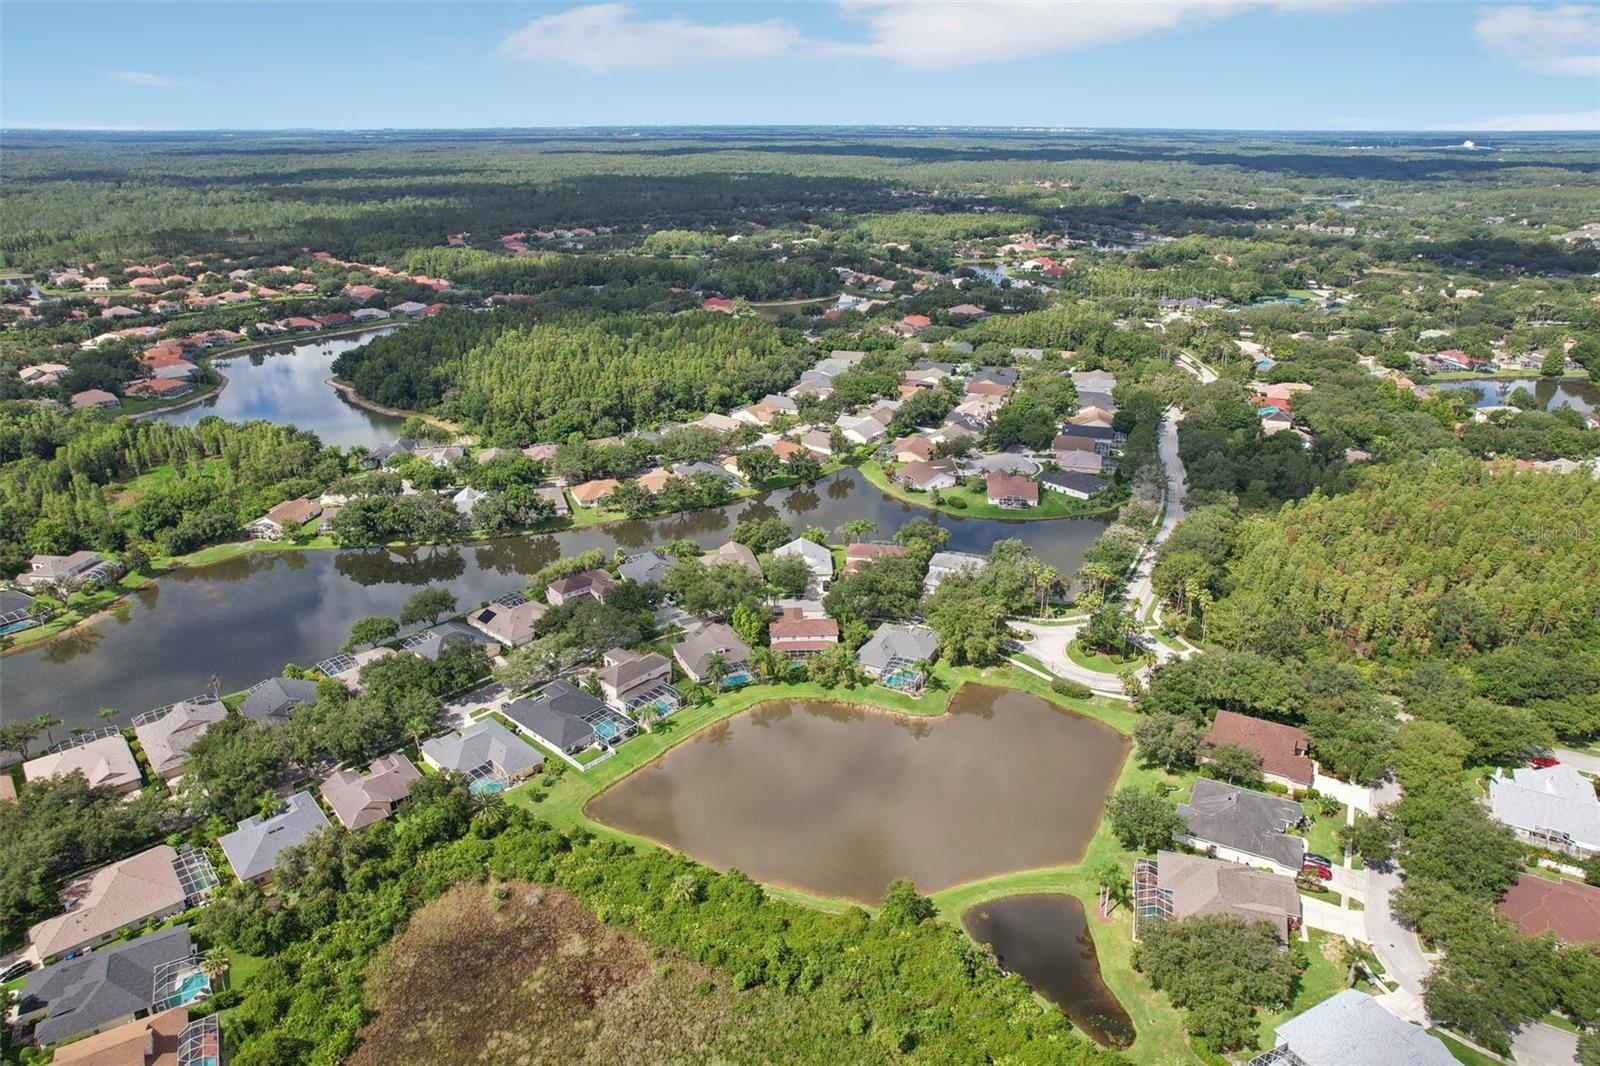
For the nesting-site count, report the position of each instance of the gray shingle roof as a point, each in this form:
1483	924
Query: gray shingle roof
274	699
645	568
85	993
895	641
1557	798
1250	822
483	742
556	717
1352	1027
254	847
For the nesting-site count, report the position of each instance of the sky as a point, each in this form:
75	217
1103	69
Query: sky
1170	64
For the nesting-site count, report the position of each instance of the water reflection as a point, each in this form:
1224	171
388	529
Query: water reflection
1582	395
841	801
288	384
244	617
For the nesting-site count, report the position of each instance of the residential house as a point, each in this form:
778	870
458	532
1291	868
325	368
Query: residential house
862	429
103	989
273	701
927	476
858	555
100	905
990	383
464	501
942	564
717	423
1083	462
557	498
106	762
796	636
596	584
1099	401
893	652
66	572
1093	415
1243	826
485	750
439	454
1189	886
368	314
253	849
358	800
591	493
817	441
1010	491
786	449
781	403
1285	750
560	718
362	293
1554	807
642	569
83	401
1079	486
284	519
166	737
912	450
410	308
1566	908
737	554
653	480
153	1040
1027	353
17	611
381	454
912	325
629	678
1352	1027
431	642
1100	438
818	559
722	474
508	625
966	311
696	652
1094	381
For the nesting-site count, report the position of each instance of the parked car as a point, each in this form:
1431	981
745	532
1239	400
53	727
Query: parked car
1323	872
1320	860
1544	762
14	971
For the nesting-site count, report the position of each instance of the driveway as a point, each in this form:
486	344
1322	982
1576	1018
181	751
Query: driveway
458	712
1350	882
1544	1045
1049	647
1320	914
1140	594
1397	947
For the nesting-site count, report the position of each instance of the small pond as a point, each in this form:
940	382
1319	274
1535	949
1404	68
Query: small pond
840	801
1045	940
1583	395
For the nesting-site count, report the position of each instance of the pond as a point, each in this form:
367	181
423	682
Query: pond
244	618
1583	395
840	801
288	384
1045	940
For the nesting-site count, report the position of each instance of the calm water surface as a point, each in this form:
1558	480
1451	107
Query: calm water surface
288	384
1046	941
243	619
1582	394
841	801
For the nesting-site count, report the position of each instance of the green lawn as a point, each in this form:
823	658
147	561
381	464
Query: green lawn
1323	978
1320	837
1463	1053
1100	662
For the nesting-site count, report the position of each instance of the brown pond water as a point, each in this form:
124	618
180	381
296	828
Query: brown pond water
1045	940
840	801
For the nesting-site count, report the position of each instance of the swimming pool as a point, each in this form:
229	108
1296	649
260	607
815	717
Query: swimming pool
487	784
735	680
605	730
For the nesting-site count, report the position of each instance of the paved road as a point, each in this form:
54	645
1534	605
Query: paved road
1580	761
1049	647
1544	1045
1197	368
1140	594
1396	946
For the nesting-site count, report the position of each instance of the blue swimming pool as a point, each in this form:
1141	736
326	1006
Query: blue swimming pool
605	730
487	784
735	680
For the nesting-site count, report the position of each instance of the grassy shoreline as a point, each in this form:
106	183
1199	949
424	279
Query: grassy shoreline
1053	506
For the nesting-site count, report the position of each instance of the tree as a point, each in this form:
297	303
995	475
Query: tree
1168	741
427	605
803	467
214	964
757	464
1373	838
1115	887
788	574
1108	629
762	534
838	443
716	668
1218	968
1143	819
374	630
1236	764
1427	753
922	531
19	736
750	622
1555	363
857	528
1452	840
232	765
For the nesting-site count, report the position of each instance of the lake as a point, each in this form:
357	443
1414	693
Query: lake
288	384
244	618
1581	393
1045	940
840	801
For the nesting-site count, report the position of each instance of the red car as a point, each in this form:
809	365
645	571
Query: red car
1321	871
1543	762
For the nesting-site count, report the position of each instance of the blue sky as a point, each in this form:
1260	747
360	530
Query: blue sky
1237	64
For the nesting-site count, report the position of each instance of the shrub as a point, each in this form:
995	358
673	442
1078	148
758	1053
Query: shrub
1063	687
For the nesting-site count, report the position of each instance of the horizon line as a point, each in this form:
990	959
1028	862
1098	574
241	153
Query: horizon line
886	127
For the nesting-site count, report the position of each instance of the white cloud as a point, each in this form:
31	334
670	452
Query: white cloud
1565	121
602	37
148	80
1561	40
910	33
944	35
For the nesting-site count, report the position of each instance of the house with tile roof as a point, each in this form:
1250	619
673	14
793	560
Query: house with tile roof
166	738
106	762
1566	908
1553	807
483	748
358	799
1244	826
797	636
102	904
1350	1028
274	700
1189	886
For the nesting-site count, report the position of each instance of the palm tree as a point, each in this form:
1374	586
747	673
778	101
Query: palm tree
214	964
489	809
216	686
106	713
685	888
716	667
857	528
48	724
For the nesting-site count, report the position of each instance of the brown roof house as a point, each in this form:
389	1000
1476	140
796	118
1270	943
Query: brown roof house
939	474
1011	491
106	763
1284	749
797	636
285	518
359	800
858	555
153	1040
696	651
101	904
1569	910
629	677
596	584
166	737
590	493
509	626
1187	886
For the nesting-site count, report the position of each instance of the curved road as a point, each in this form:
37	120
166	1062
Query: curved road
1140	593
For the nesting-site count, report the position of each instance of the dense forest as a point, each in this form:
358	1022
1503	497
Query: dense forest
521	380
